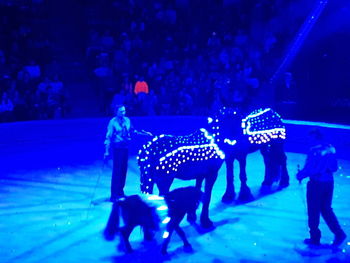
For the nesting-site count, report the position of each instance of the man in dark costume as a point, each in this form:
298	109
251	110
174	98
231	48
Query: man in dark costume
320	165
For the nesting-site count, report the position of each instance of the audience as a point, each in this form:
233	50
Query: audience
179	57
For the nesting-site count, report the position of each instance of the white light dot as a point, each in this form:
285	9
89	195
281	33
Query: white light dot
162	208
166	234
166	220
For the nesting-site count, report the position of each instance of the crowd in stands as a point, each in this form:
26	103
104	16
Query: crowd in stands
194	56
183	57
30	82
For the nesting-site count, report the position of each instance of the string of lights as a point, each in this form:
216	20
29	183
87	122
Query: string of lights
167	154
161	208
263	125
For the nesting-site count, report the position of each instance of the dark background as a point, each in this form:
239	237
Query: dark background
322	67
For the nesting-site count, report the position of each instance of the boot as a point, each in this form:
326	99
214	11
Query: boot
338	239
312	242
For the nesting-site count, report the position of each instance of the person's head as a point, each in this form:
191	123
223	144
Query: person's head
315	136
120	110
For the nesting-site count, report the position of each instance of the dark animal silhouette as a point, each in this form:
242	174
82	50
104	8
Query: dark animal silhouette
263	130
196	156
151	212
200	155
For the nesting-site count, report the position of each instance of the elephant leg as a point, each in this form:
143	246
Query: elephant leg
182	235
147	183
167	235
125	233
284	181
148	188
245	194
229	194
164	184
199	182
191	216
209	183
113	223
270	170
275	161
148	234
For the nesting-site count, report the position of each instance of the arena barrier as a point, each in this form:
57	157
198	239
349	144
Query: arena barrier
55	143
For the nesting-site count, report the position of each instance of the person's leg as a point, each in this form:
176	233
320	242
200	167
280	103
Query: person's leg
120	165
313	209
114	180
328	214
123	170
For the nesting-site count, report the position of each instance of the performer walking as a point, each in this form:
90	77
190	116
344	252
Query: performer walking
320	165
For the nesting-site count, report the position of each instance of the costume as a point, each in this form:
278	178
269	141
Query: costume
320	165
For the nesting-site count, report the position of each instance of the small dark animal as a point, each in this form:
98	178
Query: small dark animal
150	212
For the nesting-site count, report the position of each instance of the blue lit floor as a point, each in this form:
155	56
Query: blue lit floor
45	216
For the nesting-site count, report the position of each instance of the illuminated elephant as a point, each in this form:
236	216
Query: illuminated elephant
199	156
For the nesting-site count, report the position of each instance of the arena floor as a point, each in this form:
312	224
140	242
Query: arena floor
47	216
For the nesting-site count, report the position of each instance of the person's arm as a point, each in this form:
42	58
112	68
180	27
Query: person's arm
108	139
327	162
142	132
306	171
333	163
137	132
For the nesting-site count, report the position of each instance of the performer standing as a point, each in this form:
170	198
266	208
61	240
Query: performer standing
118	137
320	165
